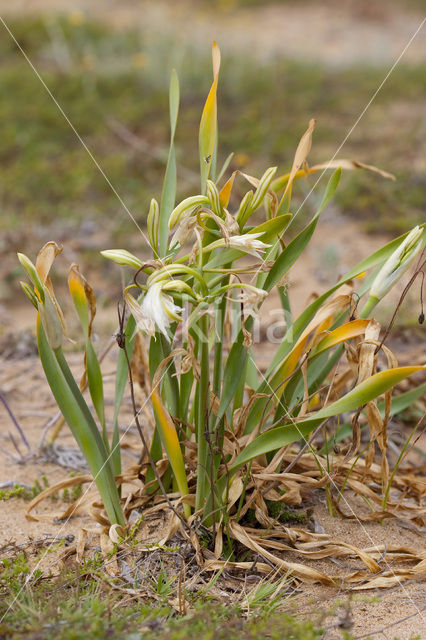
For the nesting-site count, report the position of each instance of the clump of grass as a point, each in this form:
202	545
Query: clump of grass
23	491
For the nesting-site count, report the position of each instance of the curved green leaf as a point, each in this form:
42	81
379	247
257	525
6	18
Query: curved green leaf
71	403
294	332
168	193
281	436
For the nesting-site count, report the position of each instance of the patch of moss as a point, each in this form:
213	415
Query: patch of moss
285	514
281	512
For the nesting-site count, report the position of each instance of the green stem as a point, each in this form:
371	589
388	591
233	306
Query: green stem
202	409
371	303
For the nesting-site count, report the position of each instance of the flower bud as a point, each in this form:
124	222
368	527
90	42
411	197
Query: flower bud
122	257
153	225
32	273
185	205
397	264
214	198
245	209
394	268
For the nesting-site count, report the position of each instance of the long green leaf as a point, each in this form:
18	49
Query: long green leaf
294	332
279	437
296	247
290	254
208	124
168	194
85	432
121	377
271	229
96	387
403	400
399	404
235	364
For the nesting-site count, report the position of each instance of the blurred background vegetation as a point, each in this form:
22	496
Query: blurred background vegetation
111	78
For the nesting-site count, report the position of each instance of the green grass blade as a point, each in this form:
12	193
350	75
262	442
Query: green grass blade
121	377
235	364
224	167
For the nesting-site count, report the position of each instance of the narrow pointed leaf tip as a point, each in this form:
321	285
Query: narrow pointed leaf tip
215	59
208	124
32	273
174	98
83	297
168	192
302	152
45	259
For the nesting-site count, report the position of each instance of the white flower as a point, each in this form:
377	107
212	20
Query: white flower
252	298
247	243
157	310
397	264
184	231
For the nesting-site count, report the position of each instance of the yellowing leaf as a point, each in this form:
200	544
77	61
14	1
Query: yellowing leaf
45	259
208	124
225	192
343	163
83	297
342	333
170	441
302	152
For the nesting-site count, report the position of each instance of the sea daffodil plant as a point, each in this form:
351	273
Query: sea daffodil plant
216	412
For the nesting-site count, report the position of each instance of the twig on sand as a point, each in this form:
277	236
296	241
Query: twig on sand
16	424
389	626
